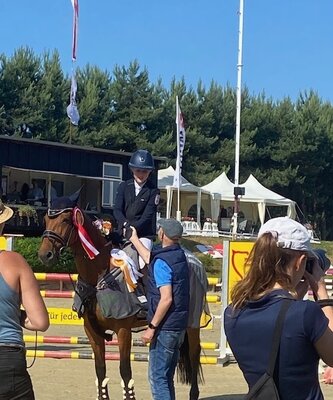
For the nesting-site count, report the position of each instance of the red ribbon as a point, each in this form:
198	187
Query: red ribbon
85	239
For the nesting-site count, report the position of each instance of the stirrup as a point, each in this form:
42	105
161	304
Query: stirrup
102	391
128	392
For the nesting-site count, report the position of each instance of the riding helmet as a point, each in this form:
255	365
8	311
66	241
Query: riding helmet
142	159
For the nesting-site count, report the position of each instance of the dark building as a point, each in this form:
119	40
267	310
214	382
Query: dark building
29	166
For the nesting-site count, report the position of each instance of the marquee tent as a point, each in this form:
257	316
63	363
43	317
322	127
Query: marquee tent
189	194
220	187
253	204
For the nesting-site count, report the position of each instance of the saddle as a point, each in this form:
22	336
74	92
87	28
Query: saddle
112	295
116	301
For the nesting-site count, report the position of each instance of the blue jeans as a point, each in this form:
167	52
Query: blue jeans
15	382
163	357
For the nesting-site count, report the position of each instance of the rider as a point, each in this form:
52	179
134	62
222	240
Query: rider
136	203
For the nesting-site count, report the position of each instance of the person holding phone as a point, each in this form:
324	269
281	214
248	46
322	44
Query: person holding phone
276	271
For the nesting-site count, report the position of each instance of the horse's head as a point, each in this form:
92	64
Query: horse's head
60	229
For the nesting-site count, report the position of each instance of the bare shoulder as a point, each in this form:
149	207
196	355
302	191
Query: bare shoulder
13	261
11	256
14	269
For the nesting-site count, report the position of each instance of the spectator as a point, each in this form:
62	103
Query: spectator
35	192
277	271
24	191
223	212
17	286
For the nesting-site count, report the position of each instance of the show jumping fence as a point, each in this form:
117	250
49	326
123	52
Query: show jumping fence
65	316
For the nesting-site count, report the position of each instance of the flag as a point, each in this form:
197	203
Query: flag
181	136
72	111
75	4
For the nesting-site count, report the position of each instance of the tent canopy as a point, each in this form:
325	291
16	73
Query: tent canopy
165	180
253	203
189	193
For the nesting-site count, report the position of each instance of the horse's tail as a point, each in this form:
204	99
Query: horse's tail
189	368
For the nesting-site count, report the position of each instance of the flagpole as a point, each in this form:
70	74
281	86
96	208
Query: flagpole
238	112
178	215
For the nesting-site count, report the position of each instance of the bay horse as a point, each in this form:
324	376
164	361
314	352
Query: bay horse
61	231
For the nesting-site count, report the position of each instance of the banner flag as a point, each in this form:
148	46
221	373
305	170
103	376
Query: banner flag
181	136
75	4
72	110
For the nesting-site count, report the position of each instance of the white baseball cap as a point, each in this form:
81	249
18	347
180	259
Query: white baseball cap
289	234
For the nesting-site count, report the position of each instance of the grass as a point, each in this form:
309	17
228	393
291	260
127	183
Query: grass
213	265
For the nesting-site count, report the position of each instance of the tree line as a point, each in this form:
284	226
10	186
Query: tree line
287	145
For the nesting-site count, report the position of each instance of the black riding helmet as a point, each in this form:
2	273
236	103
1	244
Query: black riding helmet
142	159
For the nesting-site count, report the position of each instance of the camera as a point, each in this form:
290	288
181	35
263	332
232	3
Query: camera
319	256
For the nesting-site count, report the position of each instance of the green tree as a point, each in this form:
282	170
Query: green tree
94	104
19	79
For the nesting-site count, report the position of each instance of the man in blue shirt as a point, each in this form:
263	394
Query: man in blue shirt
168	305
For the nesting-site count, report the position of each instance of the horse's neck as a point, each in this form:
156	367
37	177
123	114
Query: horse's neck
89	270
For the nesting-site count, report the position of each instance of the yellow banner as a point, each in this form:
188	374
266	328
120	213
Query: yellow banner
63	316
5	243
238	253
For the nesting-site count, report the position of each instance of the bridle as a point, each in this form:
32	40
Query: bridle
54	237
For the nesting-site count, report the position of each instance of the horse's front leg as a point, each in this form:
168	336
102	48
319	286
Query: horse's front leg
98	346
125	341
194	355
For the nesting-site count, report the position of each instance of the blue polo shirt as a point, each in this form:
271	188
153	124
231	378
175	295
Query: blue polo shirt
162	273
249	332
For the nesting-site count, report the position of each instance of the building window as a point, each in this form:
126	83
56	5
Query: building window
114	173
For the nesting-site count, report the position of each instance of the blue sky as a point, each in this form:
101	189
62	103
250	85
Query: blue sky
287	48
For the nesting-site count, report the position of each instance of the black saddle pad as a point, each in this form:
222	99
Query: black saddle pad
115	301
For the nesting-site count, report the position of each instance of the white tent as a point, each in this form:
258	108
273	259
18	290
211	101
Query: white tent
256	192
253	203
189	194
221	188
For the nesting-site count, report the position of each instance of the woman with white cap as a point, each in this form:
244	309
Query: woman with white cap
18	286
277	271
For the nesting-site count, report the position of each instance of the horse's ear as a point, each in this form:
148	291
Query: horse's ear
75	196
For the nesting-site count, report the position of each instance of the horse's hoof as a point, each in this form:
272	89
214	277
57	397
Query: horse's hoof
128	391
102	390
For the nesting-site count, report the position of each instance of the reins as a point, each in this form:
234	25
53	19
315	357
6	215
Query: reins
35	352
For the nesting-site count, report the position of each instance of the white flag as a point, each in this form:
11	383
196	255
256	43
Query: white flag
75	4
72	111
181	136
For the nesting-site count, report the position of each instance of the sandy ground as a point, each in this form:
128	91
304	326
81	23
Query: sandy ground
66	379
63	379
